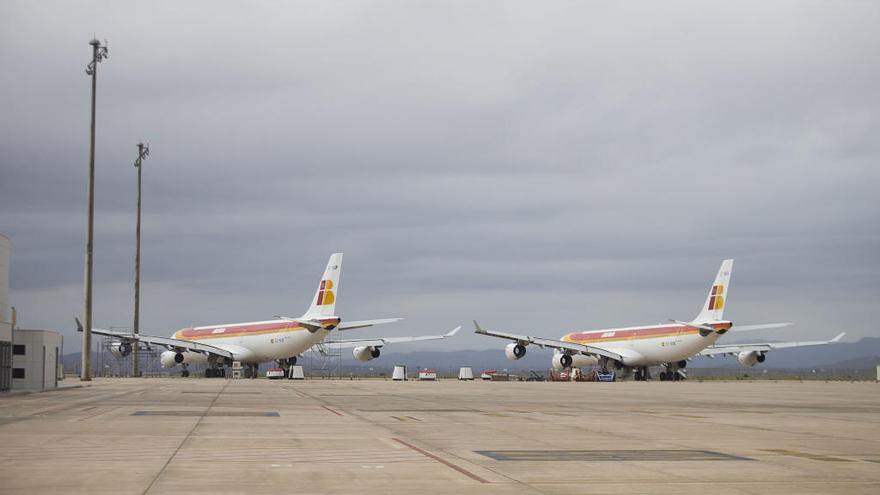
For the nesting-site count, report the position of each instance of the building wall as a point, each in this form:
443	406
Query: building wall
36	356
5	316
5	325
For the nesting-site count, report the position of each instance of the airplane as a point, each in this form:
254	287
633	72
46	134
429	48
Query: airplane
669	346
280	340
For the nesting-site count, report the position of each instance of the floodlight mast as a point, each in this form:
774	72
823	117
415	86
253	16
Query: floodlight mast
99	52
143	153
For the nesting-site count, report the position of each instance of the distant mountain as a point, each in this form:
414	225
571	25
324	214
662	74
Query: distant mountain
863	354
868	362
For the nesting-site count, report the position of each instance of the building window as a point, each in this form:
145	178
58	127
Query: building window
17	372
18	349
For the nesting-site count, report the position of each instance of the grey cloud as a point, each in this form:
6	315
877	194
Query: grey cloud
470	159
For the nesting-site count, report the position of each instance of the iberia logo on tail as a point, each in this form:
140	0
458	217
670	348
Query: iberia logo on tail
716	301
325	294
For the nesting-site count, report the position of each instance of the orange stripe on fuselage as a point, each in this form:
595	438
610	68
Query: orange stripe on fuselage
220	332
612	335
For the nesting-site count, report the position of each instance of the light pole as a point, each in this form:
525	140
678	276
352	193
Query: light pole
99	53
143	153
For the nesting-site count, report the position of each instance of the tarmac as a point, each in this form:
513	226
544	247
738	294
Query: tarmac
174	435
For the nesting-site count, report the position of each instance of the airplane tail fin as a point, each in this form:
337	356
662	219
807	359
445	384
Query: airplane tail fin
324	302
713	308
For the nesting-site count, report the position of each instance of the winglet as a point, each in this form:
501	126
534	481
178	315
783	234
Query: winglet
453	332
839	336
477	328
79	325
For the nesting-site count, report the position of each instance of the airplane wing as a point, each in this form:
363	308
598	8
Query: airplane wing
553	344
381	341
732	349
167	342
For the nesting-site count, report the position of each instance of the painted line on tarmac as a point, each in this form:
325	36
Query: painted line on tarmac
443	461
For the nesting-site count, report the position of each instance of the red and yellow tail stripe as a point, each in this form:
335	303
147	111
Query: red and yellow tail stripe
716	299
325	294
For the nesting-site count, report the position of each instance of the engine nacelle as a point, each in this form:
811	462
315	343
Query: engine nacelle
120	349
750	358
170	359
365	353
515	351
561	361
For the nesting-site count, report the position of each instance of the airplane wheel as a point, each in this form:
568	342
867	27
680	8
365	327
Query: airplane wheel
184	373
209	373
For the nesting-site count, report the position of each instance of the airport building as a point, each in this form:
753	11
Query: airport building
5	318
36	359
29	359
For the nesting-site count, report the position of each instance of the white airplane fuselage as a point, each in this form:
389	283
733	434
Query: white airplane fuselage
648	345
252	342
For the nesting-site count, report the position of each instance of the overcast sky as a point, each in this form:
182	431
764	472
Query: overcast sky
539	166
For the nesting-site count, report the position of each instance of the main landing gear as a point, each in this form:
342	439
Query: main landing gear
642	374
286	364
674	372
251	370
185	371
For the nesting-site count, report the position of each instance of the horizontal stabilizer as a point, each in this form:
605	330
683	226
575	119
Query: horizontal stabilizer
762	326
350	325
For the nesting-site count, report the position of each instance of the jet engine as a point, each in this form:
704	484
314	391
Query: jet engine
515	351
750	358
120	349
561	361
170	359
365	353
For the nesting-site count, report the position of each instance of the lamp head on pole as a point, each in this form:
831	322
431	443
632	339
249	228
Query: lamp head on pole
143	153
100	53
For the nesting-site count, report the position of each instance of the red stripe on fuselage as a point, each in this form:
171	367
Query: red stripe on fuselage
612	335
237	330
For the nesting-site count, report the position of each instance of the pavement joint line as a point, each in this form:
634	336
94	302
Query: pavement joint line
334	411
99	413
51	410
188	435
807	455
633	455
443	461
711	421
